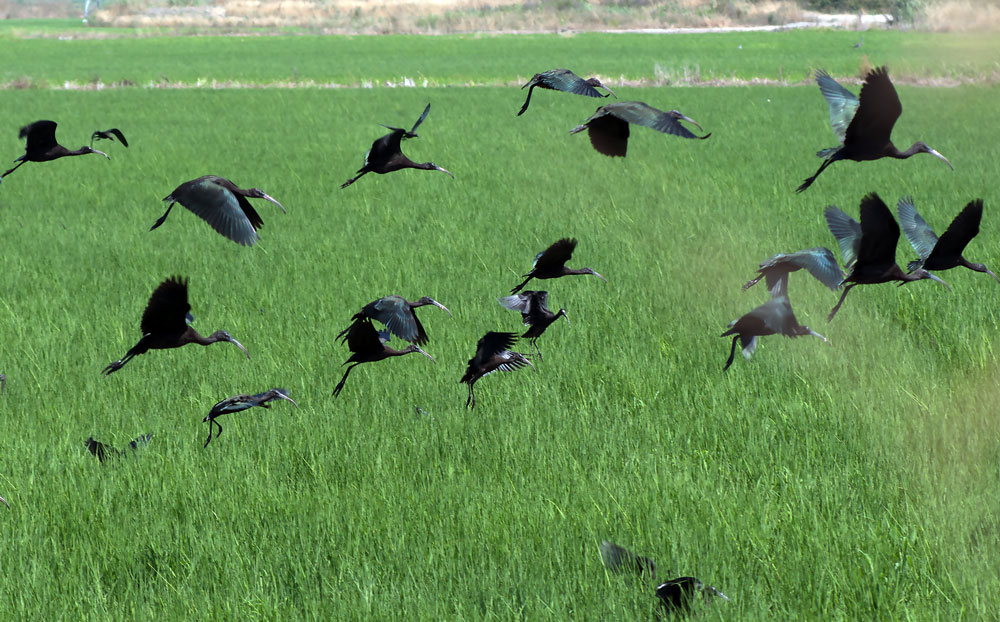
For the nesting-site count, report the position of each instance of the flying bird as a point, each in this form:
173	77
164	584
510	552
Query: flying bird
398	315
222	205
535	313
367	347
846	231
774	317
111	135
41	145
609	131
241	402
492	354
164	324
864	126
551	264
875	261
104	452
385	155
566	81
819	261
945	252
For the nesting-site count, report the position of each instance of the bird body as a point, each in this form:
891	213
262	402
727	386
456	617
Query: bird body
221	204
104	452
875	261
111	135
551	264
386	156
864	125
619	560
41	145
608	127
164	324
492	354
566	81
945	252
819	261
241	402
368	347
397	314
534	313
771	318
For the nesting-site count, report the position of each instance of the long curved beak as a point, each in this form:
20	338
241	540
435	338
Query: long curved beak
268	197
988	271
285	397
578	128
599	276
815	334
931	276
937	154
609	91
441	306
4	502
684	117
436	167
566	316
238	345
109	157
425	354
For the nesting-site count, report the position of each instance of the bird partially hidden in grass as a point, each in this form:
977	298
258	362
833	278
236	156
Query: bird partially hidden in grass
111	135
676	595
105	452
241	402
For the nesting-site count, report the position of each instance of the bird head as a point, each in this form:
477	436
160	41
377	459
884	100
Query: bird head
683	117
221	335
922	147
920	273
413	348
427	300
562	312
257	193
597	83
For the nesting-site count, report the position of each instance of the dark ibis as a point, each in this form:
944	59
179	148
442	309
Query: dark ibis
241	402
609	132
222	205
864	127
398	315
164	324
774	317
492	354
566	81
111	135
620	560
385	155
945	252
104	452
876	256
535	313
551	264
819	261
41	145
367	347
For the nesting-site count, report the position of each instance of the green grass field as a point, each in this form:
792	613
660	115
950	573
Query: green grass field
852	481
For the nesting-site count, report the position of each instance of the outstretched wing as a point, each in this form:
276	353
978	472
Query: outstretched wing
40	135
568	82
167	309
555	255
819	261
877	112
879	231
644	114
491	344
362	337
847	231
423	116
398	317
212	199
843	104
961	230
917	231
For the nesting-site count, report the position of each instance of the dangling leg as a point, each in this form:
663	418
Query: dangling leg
840	302
340	385
732	353
808	182
164	217
22	161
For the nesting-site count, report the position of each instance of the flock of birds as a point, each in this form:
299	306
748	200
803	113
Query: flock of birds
862	124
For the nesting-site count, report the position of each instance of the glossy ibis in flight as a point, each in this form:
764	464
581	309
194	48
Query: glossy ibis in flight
385	155
566	81
609	132
398	315
111	135
41	145
164	324
241	402
771	318
945	252
551	264
864	127
535	313
846	231
876	257
492	354
222	205
104	452
819	261
367	347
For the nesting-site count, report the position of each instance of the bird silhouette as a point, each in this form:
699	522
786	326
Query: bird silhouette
241	402
104	452
397	314
819	261
534	313
566	81
620	560
875	261
771	318
551	264
222	205
367	347
864	126
111	135
609	131
945	252
164	324
41	145
492	354
385	155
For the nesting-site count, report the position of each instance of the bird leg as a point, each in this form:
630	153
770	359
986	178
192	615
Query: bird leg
164	217
525	106
732	353
808	182
840	302
340	385
521	286
116	365
533	343
353	179
472	397
210	422
13	169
